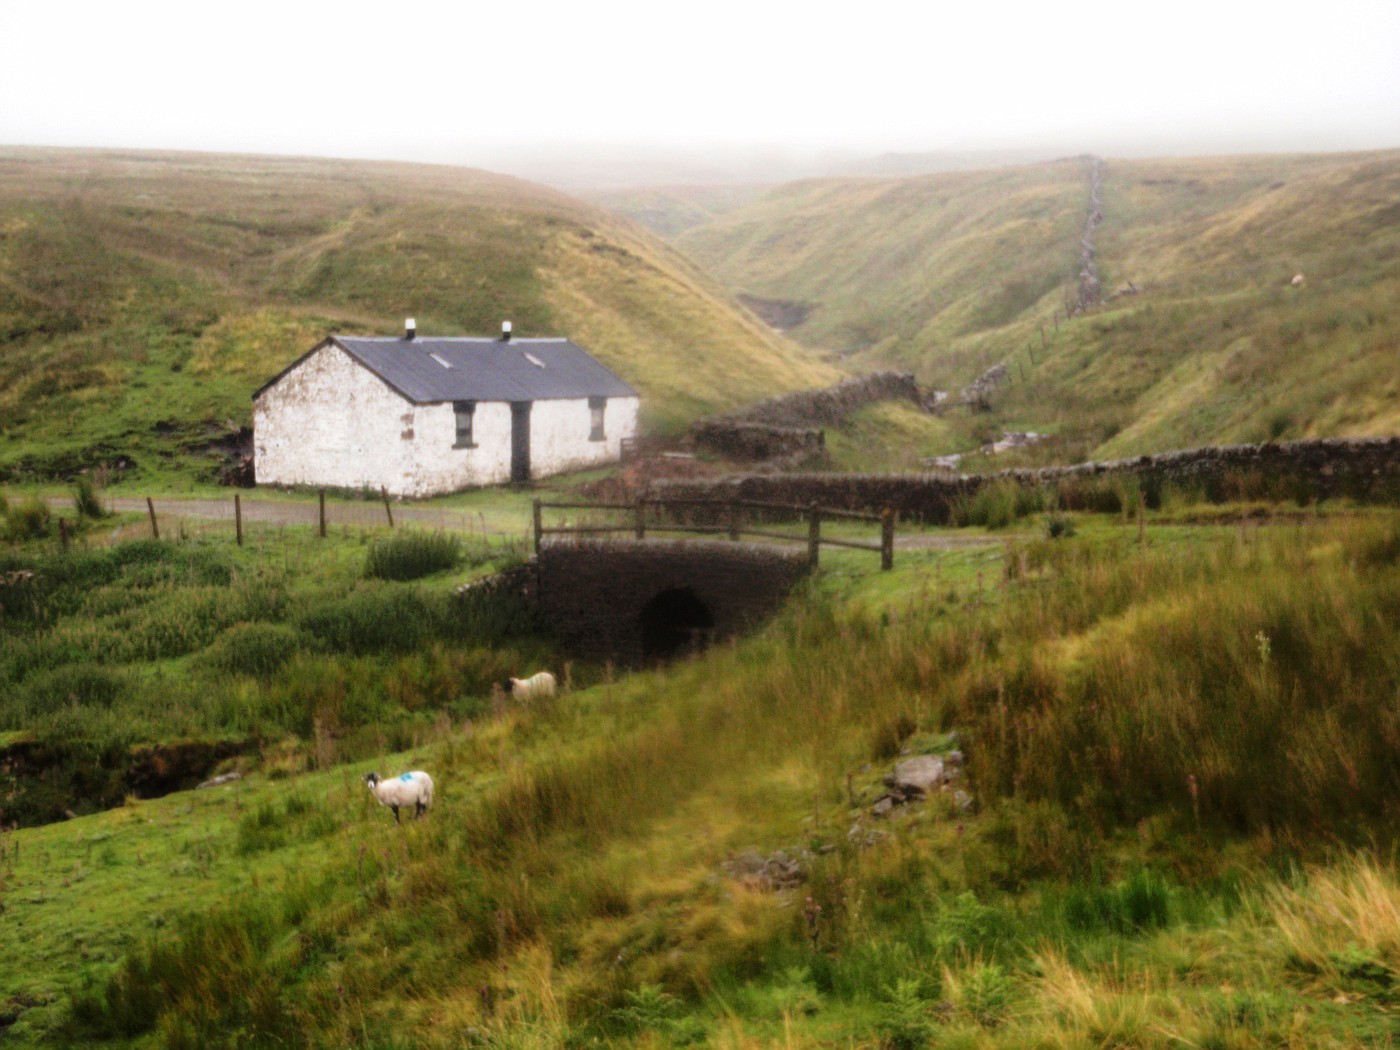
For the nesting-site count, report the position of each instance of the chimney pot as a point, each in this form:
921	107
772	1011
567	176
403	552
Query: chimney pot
505	331
409	328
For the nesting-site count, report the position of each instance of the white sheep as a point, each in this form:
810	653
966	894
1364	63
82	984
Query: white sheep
411	789
540	686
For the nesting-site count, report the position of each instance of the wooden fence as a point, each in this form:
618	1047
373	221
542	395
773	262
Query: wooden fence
732	518
239	513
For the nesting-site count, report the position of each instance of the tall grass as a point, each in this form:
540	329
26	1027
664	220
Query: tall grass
1180	694
409	555
158	640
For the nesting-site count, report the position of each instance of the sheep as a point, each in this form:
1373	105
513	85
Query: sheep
414	789
537	687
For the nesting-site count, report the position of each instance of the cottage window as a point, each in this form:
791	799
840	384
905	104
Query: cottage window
464	411
595	414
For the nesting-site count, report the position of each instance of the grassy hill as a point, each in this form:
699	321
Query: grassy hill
671	210
1176	752
144	296
948	274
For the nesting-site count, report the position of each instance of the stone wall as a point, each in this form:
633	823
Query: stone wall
597	596
831	405
788	427
740	440
1363	468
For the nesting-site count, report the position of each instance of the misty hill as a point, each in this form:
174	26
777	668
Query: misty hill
951	273
144	296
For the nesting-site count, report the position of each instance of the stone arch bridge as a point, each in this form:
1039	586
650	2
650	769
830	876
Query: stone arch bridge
637	601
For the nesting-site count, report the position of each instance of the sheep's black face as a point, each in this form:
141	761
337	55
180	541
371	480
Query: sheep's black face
506	684
371	779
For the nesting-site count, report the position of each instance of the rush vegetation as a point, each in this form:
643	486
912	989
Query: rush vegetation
1178	757
144	297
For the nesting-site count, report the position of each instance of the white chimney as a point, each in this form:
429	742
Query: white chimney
505	331
409	328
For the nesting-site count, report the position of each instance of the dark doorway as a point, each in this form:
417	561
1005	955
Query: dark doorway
520	441
673	623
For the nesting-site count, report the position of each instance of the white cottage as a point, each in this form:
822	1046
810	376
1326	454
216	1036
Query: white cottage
423	416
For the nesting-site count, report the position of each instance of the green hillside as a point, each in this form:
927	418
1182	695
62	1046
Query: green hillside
671	210
1176	825
144	297
949	274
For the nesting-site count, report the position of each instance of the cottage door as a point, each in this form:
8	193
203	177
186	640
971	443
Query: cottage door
520	441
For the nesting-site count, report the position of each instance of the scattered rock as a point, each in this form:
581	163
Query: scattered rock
223	778
863	838
917	776
781	871
916	779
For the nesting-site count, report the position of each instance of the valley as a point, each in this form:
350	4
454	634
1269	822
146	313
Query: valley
1105	759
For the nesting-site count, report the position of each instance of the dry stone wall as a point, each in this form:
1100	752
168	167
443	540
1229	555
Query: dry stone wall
1363	468
789	426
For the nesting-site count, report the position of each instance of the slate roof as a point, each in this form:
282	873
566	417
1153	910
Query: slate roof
480	369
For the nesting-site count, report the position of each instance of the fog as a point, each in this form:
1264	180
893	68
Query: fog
630	93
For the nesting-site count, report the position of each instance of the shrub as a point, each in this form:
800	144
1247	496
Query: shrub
258	649
983	991
966	927
411	555
85	501
1140	902
995	506
390	617
83	684
29	521
906	1021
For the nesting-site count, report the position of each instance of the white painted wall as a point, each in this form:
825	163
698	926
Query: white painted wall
331	422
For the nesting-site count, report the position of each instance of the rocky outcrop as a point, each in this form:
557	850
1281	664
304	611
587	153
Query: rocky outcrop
979	394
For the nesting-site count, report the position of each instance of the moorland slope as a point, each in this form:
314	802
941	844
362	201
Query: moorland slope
145	296
1206	340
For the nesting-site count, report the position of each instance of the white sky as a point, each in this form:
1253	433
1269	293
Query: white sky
429	80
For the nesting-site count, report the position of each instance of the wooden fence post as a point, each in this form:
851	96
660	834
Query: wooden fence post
640	519
238	518
538	522
151	509
387	511
814	535
887	539
323	513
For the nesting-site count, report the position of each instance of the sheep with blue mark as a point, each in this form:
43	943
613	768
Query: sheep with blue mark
541	686
410	789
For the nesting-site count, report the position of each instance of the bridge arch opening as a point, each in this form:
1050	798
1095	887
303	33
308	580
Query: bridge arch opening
673	623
